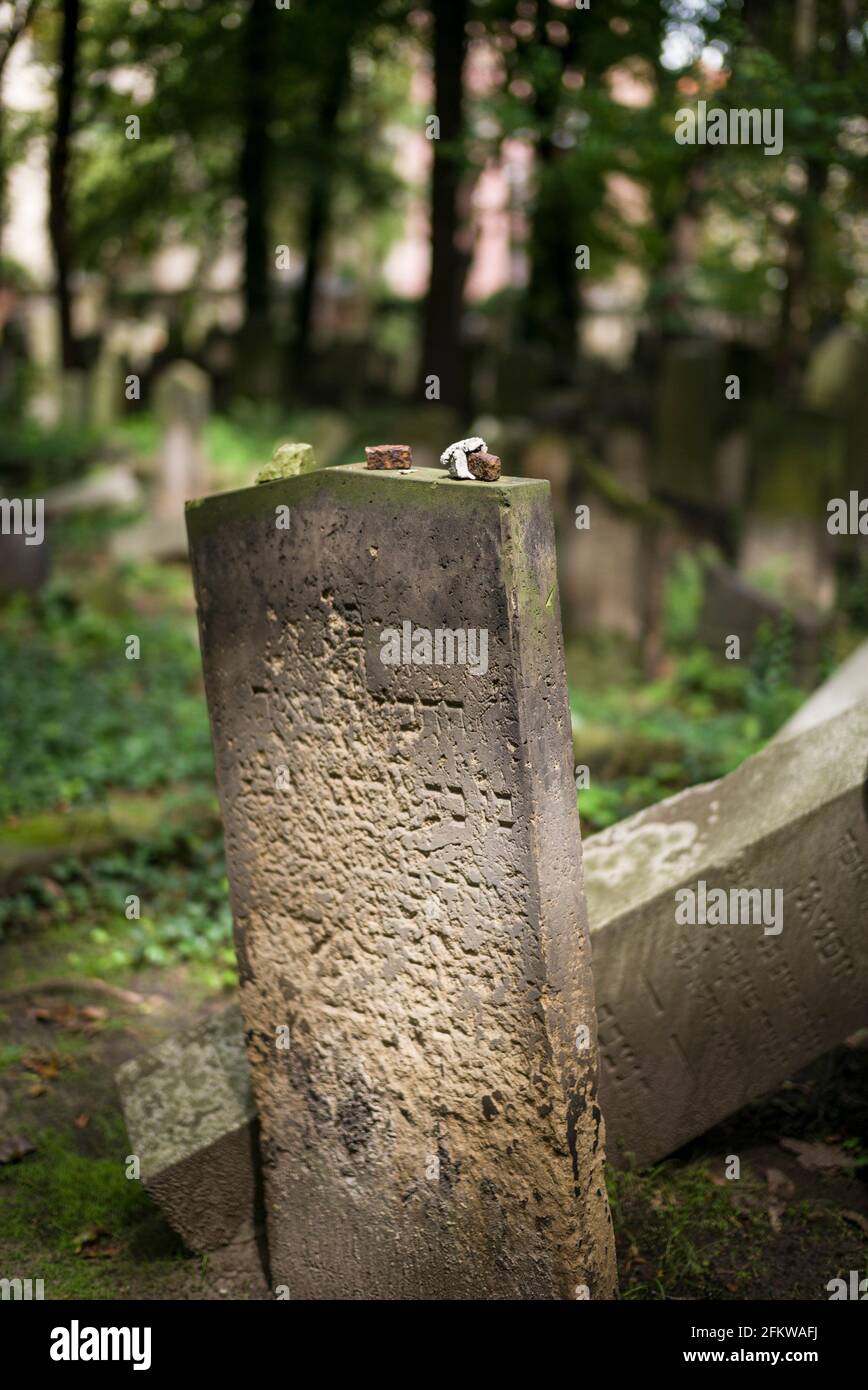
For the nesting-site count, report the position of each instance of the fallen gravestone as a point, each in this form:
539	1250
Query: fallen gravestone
191	1123
696	1020
385	680
847	686
733	995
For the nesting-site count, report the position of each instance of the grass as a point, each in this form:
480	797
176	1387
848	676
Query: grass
78	1223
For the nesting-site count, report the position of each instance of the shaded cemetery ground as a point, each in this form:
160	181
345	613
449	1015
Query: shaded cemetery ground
86	727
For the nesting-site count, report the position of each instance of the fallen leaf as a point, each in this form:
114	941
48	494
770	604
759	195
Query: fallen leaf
94	1011
818	1156
46	1067
14	1149
88	1236
81	1121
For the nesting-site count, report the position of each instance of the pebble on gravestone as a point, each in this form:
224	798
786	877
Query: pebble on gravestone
289	460
190	1119
389	456
404	861
697	1020
485	467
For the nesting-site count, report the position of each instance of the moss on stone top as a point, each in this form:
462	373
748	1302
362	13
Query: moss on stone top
289	460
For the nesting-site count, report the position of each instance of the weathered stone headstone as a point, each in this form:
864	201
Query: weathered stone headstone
181	402
190	1119
794	462
404	862
689	412
612	568
106	387
836	382
696	1020
733	606
181	399
846	687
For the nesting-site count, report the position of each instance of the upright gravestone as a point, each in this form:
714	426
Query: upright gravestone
794	463
728	936
181	398
384	670
181	401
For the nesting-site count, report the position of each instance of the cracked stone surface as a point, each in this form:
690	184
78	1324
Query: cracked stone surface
404	862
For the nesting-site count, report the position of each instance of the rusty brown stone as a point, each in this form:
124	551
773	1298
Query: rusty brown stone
389	456
485	467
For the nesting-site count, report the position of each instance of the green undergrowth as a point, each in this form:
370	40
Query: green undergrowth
644	740
74	919
77	717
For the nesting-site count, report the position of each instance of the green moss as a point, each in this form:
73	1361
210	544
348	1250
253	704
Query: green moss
10	1055
58	1204
355	484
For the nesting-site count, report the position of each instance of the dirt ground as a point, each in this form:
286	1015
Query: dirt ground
795	1217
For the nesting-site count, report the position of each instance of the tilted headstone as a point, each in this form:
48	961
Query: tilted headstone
696	1020
404	862
190	1119
634	1127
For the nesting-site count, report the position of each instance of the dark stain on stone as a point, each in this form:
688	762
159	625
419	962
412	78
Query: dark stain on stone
450	1168
355	1119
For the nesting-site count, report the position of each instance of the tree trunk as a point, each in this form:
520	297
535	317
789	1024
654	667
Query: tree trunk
442	345
317	218
254	166
58	216
552	299
551	302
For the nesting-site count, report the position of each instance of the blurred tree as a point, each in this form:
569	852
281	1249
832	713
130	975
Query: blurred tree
256	164
18	16
442	350
59	177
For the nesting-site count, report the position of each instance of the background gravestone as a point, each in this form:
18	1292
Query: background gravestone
697	1020
404	863
794	467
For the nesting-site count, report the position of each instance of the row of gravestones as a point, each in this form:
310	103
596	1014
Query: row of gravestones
743	474
420	1042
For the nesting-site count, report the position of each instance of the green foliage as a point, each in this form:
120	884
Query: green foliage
181	882
644	741
33	458
77	717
